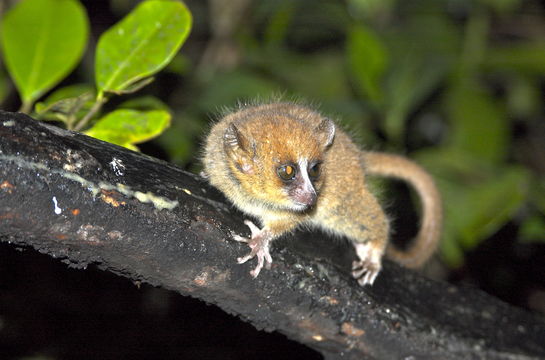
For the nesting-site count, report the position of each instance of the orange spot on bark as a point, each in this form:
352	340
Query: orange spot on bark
350	330
108	198
7	186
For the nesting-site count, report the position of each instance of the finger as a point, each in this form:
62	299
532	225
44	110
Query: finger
255	271
243	259
253	228
240	238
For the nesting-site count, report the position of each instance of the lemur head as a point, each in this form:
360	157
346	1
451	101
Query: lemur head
278	158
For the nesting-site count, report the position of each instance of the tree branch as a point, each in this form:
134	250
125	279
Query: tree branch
88	202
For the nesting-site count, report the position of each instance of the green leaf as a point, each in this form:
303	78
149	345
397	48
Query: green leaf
458	215
144	103
370	9
420	60
503	6
537	194
411	80
450	249
479	126
367	60
524	96
141	44
67	92
180	65
492	203
42	41
479	198
128	127
523	57
533	230
135	86
278	27
65	110
66	104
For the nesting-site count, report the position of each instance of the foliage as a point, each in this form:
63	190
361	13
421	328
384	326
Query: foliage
141	44
447	82
43	40
38	49
127	126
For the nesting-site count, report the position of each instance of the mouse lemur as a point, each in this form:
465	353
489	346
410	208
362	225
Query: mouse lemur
288	165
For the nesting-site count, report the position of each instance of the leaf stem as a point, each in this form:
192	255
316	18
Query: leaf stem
26	107
100	100
70	121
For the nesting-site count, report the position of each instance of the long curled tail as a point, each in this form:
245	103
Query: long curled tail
426	240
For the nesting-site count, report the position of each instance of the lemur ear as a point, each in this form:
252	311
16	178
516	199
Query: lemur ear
239	148
326	132
234	140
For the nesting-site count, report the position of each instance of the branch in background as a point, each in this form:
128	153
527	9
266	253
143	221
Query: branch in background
90	202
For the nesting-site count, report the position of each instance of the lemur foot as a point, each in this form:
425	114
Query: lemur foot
259	243
367	268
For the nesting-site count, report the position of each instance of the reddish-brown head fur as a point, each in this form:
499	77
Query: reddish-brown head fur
259	143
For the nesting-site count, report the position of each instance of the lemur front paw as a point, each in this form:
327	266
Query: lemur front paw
259	243
367	269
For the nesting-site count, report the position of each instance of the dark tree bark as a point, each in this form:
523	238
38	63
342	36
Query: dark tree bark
88	202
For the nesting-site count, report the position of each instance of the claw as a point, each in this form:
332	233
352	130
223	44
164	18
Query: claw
259	245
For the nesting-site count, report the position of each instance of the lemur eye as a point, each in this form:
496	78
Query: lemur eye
286	172
314	170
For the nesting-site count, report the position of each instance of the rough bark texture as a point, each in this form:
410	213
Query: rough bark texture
88	202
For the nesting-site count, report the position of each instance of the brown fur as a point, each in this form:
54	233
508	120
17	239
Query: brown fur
245	148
